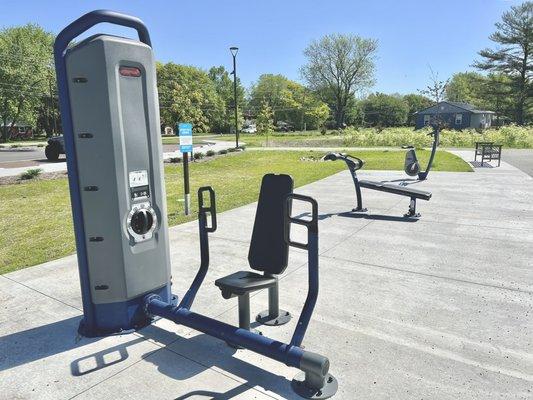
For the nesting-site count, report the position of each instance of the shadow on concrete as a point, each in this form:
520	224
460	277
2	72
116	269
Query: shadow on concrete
230	394
34	344
346	214
205	352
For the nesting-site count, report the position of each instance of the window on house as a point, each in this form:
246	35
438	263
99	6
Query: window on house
427	119
458	119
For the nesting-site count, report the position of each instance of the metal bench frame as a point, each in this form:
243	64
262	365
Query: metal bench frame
354	163
488	152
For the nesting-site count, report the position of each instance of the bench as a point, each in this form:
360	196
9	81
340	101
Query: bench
354	164
488	152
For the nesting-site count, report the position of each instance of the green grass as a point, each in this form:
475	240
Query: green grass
36	218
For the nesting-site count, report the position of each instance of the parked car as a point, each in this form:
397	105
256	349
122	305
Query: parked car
55	147
252	128
283	126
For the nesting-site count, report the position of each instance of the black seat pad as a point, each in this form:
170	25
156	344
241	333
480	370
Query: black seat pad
396	189
243	282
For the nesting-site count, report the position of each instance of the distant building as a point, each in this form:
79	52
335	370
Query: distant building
454	115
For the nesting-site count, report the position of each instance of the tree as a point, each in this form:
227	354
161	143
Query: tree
25	68
385	110
436	89
488	92
265	119
513	57
290	101
224	88
415	102
187	94
467	87
337	66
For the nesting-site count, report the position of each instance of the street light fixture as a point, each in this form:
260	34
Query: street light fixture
234	50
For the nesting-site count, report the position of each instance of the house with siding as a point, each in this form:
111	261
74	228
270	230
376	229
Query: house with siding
455	115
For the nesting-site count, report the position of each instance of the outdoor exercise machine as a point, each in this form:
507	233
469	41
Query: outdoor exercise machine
110	119
354	164
411	163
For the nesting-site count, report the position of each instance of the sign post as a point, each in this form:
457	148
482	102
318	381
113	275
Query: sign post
185	136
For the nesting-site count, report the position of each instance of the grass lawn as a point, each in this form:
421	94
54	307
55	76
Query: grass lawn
36	216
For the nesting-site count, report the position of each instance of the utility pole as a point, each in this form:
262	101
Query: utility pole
234	51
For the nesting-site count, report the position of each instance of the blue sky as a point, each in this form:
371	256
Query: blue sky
271	35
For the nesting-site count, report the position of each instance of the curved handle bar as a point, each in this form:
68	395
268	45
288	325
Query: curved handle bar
87	21
212	210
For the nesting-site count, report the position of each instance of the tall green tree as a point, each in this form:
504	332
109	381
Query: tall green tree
490	92
265	119
513	55
290	101
223	83
385	110
25	73
415	102
338	66
187	94
467	87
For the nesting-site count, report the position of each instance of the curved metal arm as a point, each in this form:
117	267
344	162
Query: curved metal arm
189	297
436	141
354	163
87	21
312	256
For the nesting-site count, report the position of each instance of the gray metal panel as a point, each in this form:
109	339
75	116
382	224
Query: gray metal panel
122	114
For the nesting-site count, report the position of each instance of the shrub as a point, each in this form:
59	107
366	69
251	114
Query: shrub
15	146
31	173
210	153
508	136
223	151
175	159
198	155
232	149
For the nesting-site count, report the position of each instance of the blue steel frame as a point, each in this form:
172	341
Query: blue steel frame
313	365
62	41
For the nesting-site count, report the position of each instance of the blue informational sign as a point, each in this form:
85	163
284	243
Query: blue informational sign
185	135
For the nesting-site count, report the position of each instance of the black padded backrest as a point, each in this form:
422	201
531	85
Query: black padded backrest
268	251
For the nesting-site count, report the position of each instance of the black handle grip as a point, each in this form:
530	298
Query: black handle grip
311	225
359	162
212	210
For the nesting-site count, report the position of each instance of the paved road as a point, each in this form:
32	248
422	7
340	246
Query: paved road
519	158
14	158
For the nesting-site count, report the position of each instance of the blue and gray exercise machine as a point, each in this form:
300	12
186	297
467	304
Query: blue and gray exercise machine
110	118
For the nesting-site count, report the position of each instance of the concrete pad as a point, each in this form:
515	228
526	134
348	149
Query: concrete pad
177	378
43	357
439	308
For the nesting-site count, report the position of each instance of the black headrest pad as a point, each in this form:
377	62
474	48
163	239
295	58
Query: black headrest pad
268	251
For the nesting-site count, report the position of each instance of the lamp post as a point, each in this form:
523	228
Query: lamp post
234	51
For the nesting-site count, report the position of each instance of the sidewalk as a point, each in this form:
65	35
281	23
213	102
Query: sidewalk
214	145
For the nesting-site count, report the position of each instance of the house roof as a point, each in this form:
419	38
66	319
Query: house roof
465	106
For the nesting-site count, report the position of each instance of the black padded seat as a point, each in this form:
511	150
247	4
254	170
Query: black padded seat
268	253
243	282
396	189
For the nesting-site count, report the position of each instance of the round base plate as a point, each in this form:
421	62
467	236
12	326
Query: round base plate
409	215
329	389
360	210
264	319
